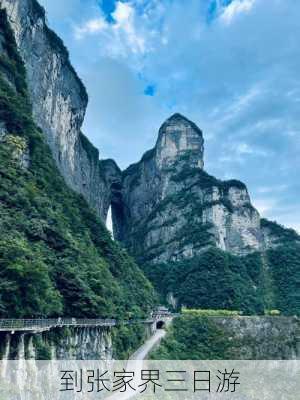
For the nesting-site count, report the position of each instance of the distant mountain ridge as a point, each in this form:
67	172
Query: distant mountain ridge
59	101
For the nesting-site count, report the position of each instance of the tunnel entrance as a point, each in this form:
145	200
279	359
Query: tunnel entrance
160	324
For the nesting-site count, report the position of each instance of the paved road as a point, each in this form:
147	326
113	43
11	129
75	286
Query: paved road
135	364
145	349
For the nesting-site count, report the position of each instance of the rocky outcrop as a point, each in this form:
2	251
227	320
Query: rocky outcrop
261	338
177	137
69	344
172	209
18	147
275	235
59	101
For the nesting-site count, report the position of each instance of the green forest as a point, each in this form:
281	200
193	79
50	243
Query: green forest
253	284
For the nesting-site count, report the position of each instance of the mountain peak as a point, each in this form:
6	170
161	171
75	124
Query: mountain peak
178	118
178	136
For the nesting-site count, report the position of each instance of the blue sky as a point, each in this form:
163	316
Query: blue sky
232	66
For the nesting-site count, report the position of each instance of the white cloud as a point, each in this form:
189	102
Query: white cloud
265	206
91	27
244	101
244	148
295	226
123	36
124	16
123	13
272	189
236	8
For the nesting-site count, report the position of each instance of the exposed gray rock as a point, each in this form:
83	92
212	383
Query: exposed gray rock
177	136
59	101
84	344
275	235
3	131
262	338
70	344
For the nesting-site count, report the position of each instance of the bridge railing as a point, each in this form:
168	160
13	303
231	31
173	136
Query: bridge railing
44	324
31	324
26	323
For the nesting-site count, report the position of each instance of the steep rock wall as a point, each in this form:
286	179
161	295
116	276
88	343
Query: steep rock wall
57	344
73	343
261	338
59	101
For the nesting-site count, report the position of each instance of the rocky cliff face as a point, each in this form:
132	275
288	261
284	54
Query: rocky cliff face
261	338
59	100
70	344
172	209
231	338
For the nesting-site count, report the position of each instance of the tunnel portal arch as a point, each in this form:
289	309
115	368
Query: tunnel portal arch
160	324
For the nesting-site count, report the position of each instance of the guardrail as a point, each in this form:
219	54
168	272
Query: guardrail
45	324
11	325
